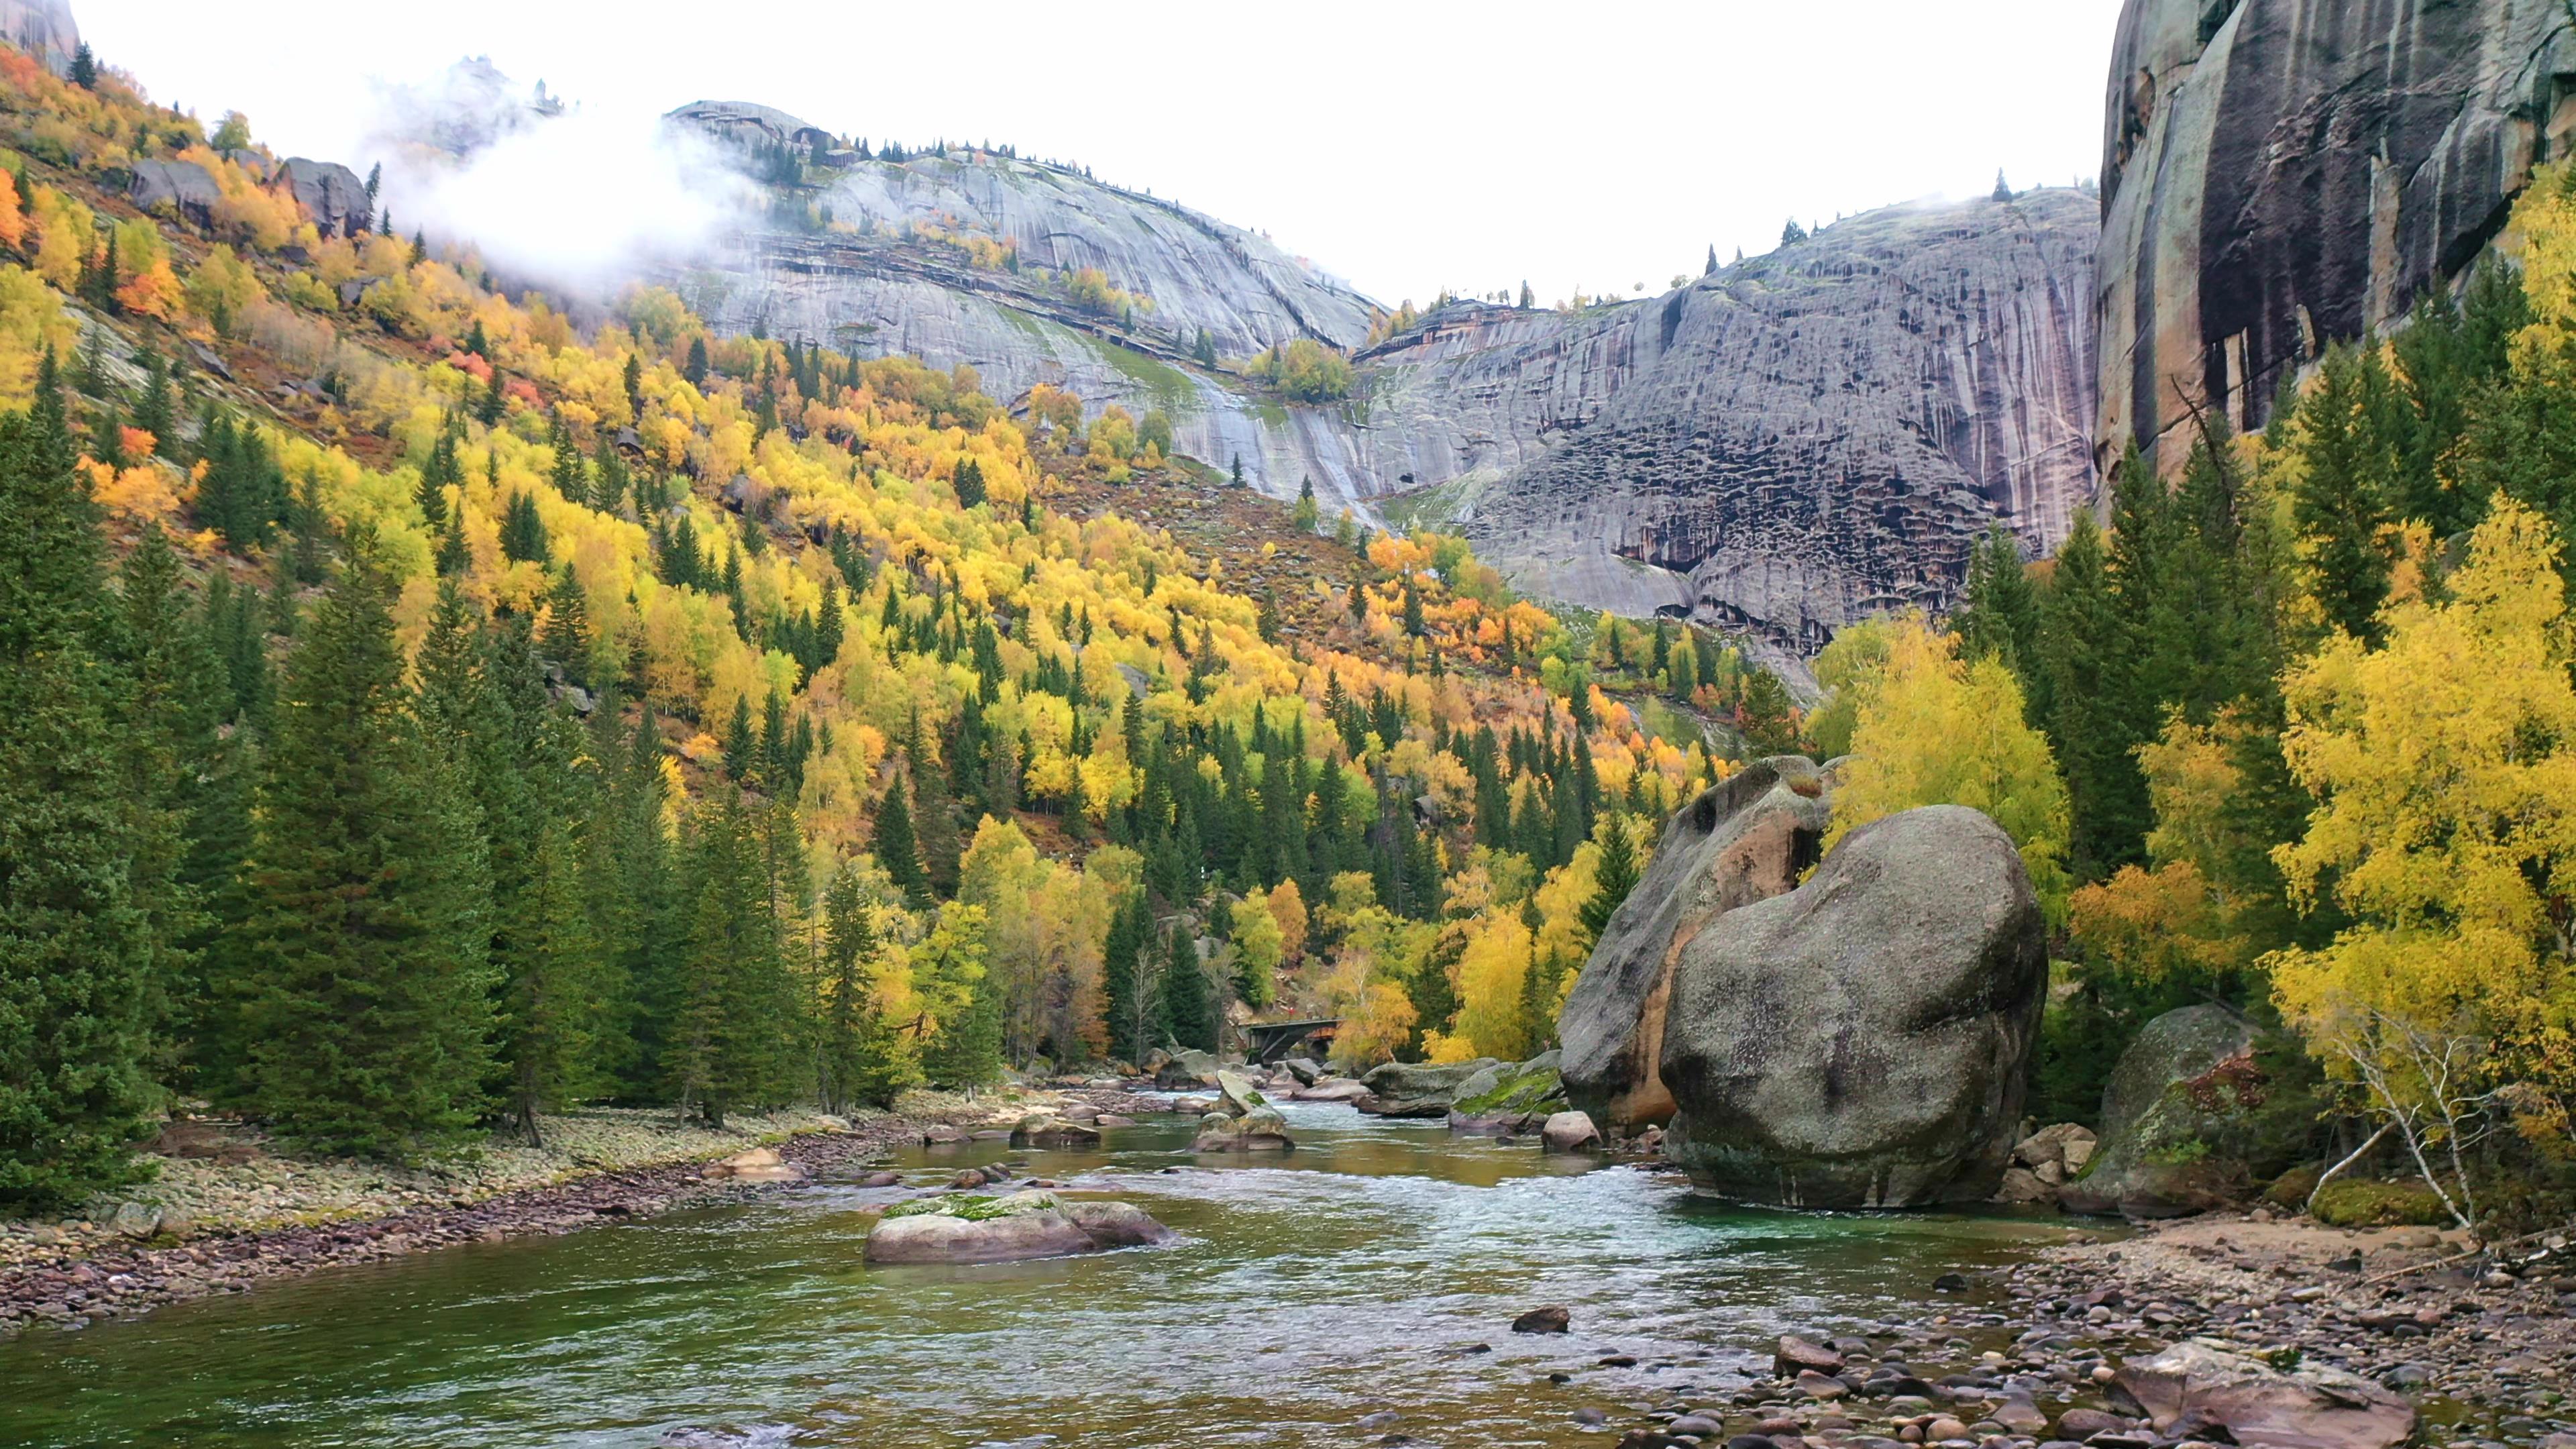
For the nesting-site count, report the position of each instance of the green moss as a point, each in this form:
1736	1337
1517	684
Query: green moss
970	1208
2290	1190
2349	1202
2176	1154
1519	1093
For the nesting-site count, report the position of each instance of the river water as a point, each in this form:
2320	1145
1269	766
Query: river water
1357	1276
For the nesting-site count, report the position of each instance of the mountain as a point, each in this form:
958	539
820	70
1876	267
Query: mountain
42	28
1780	446
2280	174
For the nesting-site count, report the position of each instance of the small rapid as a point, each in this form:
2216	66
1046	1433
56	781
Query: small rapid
1376	1269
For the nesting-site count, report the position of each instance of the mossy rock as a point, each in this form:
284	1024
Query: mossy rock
2353	1202
975	1209
1514	1089
2202	1106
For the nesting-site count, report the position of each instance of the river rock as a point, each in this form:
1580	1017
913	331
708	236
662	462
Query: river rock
1508	1097
1862	1041
1303	1069
135	1220
1189	1067
1337	1089
1569	1132
1045	1129
1415	1089
1113	1119
1744	839
760	1164
2280	174
1795	1355
1235	1094
2313	1406
1260	1129
2189	1120
1543	1320
1022	1225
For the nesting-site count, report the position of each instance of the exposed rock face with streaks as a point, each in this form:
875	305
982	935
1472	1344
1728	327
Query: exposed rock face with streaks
2279	174
1784	445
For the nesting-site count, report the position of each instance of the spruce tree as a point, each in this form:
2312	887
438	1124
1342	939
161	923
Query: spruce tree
368	1012
2341	500
2082	648
1187	1014
78	950
732	1044
895	848
1614	875
867	1060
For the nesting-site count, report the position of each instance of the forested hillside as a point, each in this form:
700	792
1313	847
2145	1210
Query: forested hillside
428	706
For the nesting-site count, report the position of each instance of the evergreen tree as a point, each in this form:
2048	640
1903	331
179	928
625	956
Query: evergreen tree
1614	875
730	1041
1125	1004
965	1052
78	951
895	848
696	368
2341	502
2082	649
1187	1013
866	1059
368	1016
567	635
84	68
523	530
494	402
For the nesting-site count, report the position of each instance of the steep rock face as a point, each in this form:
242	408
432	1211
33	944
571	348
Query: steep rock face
41	28
2279	174
1789	443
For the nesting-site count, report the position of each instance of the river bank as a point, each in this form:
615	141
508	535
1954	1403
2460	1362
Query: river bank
225	1211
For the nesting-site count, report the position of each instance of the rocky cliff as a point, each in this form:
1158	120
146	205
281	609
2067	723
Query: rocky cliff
41	28
2279	174
1781	446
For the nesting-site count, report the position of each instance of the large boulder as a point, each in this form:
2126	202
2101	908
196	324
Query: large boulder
2310	1406
1508	1097
183	190
1258	1129
1861	1041
1569	1132
758	1164
1188	1067
1046	1129
962	1229
1743	840
1415	1089
2191	1120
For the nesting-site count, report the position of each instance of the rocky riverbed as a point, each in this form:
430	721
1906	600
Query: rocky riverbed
225	1212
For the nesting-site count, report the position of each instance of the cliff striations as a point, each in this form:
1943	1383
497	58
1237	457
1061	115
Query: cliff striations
2279	174
1784	445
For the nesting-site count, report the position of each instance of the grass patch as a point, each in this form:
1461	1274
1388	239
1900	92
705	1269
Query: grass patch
971	1208
1169	386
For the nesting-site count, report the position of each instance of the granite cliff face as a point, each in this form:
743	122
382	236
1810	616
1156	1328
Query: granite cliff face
1779	447
2280	174
1782	446
41	28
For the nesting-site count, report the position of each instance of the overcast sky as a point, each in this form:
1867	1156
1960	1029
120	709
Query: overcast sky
1405	147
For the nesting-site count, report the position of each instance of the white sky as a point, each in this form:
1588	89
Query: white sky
1403	146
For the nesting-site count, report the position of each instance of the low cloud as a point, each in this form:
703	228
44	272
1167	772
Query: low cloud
578	198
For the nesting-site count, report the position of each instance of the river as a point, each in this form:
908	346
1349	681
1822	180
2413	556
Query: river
1376	1269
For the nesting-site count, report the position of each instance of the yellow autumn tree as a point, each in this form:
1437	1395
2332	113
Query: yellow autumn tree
2173	916
1936	731
1288	910
2445	766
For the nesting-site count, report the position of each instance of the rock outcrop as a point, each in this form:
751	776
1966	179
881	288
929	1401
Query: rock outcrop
2279	174
1861	1041
1416	1089
1022	1225
2190	1120
1508	1097
1744	839
1780	447
42	28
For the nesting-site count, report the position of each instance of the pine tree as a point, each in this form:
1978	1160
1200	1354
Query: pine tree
1124	1005
730	1040
895	849
494	402
2081	649
84	68
2341	502
523	530
866	1059
567	635
368	887
1187	1014
965	1051
78	954
696	368
1614	875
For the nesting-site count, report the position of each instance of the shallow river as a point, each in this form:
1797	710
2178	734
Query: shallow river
1358	1275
